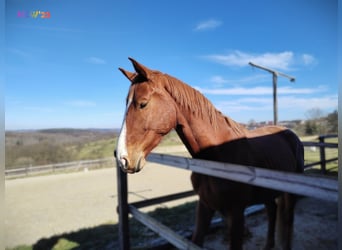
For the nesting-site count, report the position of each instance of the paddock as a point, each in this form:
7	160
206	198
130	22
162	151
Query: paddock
46	205
311	186
46	215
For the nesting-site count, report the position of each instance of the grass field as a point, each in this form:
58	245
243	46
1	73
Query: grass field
33	148
55	146
313	154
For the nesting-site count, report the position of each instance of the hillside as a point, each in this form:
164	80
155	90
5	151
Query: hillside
39	147
32	148
57	136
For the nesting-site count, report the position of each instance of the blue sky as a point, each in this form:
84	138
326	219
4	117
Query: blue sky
62	71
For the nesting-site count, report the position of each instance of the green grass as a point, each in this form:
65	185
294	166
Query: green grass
103	148
311	156
171	139
21	248
33	148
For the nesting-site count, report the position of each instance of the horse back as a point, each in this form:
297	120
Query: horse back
279	151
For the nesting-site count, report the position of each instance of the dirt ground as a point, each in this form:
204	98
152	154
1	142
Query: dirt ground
315	227
44	206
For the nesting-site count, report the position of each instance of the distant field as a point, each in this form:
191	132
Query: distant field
25	148
63	145
313	154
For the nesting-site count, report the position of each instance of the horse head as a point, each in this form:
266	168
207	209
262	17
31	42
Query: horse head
150	114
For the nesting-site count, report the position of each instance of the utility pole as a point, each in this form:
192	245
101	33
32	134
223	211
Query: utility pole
275	75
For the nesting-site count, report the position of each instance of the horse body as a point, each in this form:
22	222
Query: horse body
157	103
267	150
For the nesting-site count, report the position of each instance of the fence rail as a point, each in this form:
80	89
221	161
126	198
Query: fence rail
318	187
313	186
322	145
79	165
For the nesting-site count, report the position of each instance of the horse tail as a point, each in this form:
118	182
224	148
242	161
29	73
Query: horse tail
299	154
285	219
287	201
297	149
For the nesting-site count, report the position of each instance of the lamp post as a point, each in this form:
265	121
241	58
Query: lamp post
275	75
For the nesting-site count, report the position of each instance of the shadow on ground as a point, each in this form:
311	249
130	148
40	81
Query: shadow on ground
101	237
311	216
180	219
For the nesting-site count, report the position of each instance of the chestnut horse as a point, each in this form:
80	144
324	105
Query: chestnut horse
157	103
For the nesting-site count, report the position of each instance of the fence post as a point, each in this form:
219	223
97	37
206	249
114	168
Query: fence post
322	154
122	210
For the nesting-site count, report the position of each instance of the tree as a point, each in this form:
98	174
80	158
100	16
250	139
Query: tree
332	120
311	127
316	123
251	124
314	114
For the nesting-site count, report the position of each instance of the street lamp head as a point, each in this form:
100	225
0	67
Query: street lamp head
292	79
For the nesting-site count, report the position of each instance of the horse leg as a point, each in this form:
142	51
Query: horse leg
204	215
237	228
271	208
285	217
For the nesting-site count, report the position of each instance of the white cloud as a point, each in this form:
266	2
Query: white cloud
208	25
258	90
323	102
281	61
95	60
218	79
249	79
241	59
308	59
286	102
289	107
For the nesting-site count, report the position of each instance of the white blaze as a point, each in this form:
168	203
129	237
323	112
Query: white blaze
121	148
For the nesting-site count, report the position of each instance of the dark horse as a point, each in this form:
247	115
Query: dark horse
157	103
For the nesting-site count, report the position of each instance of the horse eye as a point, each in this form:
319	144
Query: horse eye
142	105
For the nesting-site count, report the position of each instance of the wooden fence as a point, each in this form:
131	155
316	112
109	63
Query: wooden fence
88	164
312	186
51	168
322	145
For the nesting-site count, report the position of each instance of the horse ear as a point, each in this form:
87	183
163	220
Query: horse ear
130	76
139	68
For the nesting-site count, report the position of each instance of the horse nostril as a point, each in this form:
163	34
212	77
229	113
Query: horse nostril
115	153
124	162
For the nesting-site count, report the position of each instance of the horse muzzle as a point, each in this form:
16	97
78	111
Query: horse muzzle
130	166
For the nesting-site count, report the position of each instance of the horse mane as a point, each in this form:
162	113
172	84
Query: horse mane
192	100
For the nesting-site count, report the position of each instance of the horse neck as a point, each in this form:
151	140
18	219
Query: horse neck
200	124
199	134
